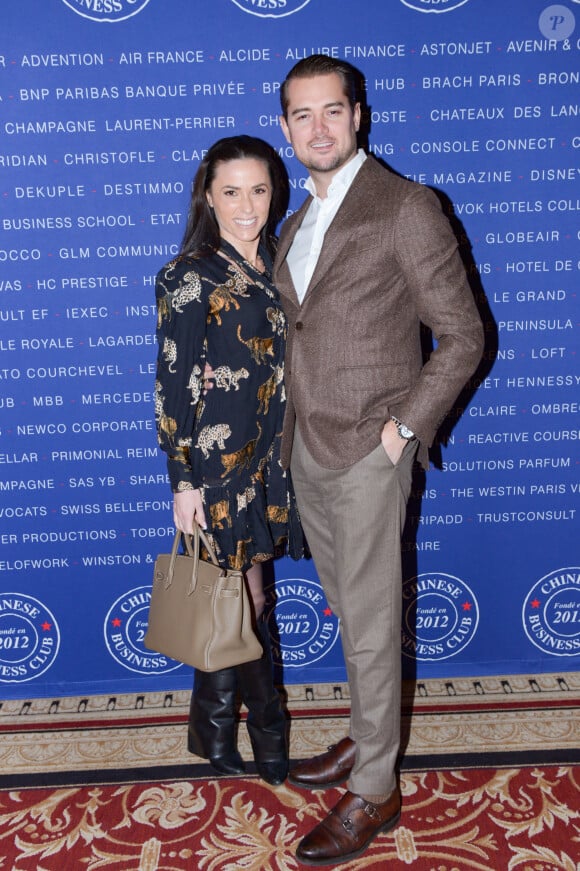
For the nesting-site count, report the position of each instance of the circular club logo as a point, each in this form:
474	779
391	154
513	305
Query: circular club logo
551	613
29	638
440	616
271	8
434	5
125	628
307	630
106	10
557	22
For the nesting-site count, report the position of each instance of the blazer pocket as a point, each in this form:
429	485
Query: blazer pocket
355	247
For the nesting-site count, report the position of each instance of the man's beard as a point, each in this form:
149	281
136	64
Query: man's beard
329	164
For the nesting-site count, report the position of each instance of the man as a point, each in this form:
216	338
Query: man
366	259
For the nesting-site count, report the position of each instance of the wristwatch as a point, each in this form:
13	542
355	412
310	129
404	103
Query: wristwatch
404	431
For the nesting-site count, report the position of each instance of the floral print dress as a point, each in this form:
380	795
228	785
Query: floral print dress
220	310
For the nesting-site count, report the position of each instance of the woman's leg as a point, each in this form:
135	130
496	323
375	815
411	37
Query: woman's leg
212	714
254	577
212	720
267	725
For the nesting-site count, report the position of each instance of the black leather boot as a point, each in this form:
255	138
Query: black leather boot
212	721
267	725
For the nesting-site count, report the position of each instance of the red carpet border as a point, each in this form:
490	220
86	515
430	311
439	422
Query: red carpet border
457	723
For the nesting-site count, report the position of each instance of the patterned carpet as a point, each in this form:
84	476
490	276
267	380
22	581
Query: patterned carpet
490	781
490	820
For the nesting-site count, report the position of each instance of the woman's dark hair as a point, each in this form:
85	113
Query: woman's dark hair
202	235
322	65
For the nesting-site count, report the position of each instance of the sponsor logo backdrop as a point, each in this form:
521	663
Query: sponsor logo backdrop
106	107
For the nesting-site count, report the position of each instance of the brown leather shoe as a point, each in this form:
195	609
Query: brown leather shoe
328	769
348	829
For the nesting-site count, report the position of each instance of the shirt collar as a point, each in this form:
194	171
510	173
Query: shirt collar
343	178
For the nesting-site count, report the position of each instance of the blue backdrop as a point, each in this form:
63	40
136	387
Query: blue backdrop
106	107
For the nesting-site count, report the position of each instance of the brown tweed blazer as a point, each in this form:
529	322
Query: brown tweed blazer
389	263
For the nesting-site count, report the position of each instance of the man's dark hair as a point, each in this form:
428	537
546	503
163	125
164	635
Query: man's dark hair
321	65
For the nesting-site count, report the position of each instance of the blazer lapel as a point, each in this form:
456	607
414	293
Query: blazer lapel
289	229
344	225
282	275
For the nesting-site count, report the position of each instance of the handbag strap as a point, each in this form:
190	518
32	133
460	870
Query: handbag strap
197	534
173	557
191	551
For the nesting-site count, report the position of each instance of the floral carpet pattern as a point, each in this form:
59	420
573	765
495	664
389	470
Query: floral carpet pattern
502	819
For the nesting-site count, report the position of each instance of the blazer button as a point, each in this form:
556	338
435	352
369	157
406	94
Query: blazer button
299	325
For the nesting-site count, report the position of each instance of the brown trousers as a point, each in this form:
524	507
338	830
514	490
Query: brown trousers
353	520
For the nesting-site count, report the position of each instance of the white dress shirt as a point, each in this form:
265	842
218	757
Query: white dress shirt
305	249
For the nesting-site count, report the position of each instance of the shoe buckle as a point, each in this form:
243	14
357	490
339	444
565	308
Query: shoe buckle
371	811
347	824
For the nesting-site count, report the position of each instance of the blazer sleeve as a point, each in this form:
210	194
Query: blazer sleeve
435	276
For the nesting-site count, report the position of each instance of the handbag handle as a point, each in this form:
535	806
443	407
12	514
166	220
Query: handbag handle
197	534
192	552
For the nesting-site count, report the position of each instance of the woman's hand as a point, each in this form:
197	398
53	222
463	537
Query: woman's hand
208	378
187	507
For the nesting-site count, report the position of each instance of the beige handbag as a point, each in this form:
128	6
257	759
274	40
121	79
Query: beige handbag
199	612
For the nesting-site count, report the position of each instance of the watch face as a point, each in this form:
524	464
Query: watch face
405	432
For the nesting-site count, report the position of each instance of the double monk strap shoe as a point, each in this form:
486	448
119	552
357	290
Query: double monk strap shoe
348	829
330	768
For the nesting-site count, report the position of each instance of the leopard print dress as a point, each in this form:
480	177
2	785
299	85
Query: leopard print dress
220	310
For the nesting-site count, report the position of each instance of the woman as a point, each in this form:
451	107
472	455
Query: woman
219	313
